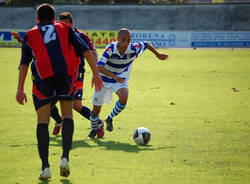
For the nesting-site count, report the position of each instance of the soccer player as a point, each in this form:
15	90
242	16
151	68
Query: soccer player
49	42
67	18
115	66
54	110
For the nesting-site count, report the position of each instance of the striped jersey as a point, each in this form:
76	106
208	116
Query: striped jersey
120	65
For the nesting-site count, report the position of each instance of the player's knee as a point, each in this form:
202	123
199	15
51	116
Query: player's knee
123	100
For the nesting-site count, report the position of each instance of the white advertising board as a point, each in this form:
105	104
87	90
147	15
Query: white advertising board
191	39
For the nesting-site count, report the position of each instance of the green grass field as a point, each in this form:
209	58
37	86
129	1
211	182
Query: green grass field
196	105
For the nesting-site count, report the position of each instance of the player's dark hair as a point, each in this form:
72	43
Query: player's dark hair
66	16
123	31
45	12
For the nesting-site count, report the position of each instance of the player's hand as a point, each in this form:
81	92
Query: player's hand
97	82
162	56
21	97
17	37
119	79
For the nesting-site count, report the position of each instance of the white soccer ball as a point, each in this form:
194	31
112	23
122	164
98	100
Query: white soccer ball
142	136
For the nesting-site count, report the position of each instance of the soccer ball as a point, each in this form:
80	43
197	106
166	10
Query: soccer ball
142	136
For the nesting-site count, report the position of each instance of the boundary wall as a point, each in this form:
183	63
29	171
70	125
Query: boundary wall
214	17
179	26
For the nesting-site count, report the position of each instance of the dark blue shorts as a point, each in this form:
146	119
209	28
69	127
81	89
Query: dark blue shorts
49	90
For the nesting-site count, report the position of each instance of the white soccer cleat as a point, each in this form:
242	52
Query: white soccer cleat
45	174
64	167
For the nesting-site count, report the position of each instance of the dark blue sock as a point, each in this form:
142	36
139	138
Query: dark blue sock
42	134
85	112
67	135
55	115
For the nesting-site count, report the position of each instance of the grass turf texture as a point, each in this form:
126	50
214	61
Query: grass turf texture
196	105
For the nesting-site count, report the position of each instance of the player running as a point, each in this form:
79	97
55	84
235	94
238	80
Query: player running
49	43
67	18
115	66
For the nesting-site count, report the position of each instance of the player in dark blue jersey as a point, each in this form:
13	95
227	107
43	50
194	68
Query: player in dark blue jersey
78	78
67	18
49	42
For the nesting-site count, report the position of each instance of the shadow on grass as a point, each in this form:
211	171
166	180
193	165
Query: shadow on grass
44	182
119	146
107	145
57	141
65	181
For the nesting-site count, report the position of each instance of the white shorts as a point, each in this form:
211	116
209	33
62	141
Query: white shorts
106	94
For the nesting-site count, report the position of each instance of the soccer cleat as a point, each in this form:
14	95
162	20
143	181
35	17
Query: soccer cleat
57	129
64	167
45	174
109	126
92	133
100	130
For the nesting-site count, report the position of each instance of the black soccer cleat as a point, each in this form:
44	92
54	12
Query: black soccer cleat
92	133
109	123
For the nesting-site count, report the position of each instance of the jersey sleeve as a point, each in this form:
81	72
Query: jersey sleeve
105	56
140	47
27	54
87	40
79	45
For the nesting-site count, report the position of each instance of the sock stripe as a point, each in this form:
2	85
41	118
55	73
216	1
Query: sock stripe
120	105
94	121
117	109
93	118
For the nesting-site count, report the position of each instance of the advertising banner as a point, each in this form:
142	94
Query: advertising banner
193	39
99	38
159	39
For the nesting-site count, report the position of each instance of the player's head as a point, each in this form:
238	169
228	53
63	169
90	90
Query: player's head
45	12
67	18
124	36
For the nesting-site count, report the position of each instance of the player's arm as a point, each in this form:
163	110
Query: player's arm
95	54
82	49
23	69
17	37
104	71
86	39
96	79
158	55
101	63
20	94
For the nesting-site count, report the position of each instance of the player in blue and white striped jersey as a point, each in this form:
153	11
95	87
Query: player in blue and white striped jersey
115	66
